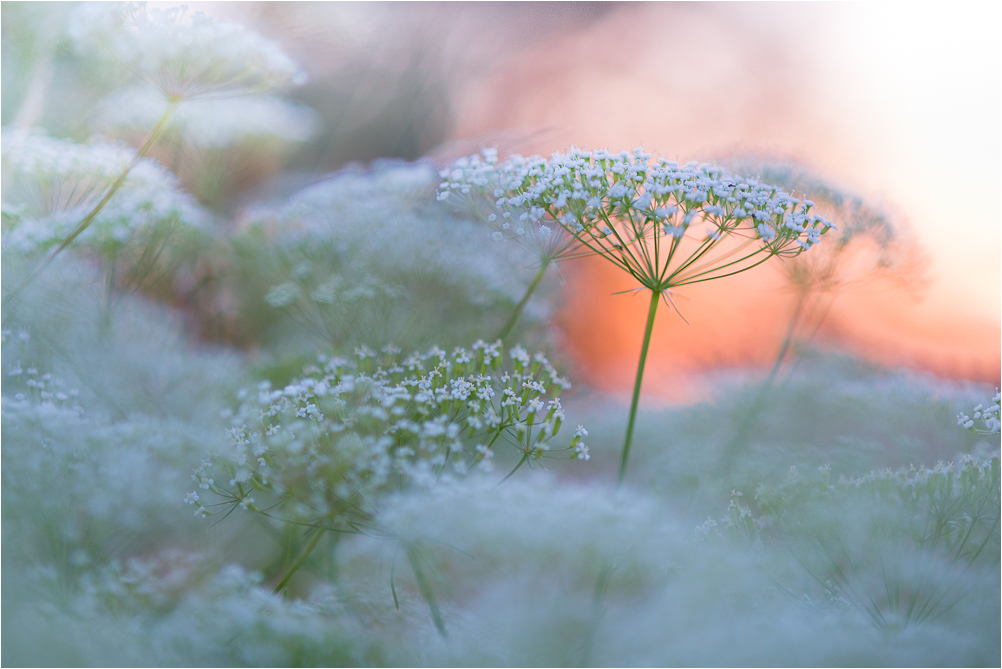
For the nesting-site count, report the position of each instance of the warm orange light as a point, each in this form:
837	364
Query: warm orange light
739	323
694	82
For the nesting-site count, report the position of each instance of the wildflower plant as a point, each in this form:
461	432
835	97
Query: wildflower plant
984	419
364	258
467	185
56	183
870	246
185	57
338	309
216	145
666	225
321	452
197	58
893	543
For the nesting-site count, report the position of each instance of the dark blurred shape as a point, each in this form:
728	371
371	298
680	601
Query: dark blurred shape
385	77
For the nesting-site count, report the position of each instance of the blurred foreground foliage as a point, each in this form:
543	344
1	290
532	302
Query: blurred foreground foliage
863	526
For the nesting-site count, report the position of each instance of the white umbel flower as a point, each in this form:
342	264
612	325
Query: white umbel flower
374	220
185	57
56	182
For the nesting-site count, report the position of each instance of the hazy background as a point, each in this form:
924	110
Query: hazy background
903	106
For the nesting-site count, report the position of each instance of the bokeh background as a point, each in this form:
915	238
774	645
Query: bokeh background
316	205
899	106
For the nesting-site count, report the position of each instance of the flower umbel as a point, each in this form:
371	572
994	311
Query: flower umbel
322	451
666	225
471	184
987	416
185	58
55	182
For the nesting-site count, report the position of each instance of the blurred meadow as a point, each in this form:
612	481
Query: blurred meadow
303	364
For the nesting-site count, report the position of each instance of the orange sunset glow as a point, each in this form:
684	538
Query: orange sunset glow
899	107
842	89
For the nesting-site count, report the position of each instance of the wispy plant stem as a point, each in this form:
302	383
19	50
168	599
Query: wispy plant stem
300	560
785	347
151	139
425	586
513	320
521	462
651	312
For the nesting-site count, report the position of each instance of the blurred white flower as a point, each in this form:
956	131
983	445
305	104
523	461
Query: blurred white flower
184	57
987	416
379	223
56	182
213	123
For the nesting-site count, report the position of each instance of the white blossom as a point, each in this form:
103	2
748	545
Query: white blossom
184	56
56	182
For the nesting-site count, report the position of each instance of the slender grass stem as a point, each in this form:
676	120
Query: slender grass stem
785	347
300	560
425	586
513	320
988	539
598	610
151	139
512	472
651	312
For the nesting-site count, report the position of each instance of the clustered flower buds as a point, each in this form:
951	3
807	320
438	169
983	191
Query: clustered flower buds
988	417
350	429
470	184
619	204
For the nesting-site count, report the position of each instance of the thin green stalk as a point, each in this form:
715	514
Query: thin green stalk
510	325
794	320
151	139
300	560
109	293
988	538
425	586
512	472
598	610
652	310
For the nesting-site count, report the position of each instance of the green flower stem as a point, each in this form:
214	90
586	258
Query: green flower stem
521	462
425	586
651	312
300	560
510	325
785	347
151	139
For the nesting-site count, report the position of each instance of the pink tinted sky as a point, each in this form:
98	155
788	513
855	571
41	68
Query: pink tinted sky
899	103
902	106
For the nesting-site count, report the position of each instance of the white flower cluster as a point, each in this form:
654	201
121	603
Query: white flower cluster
33	387
377	223
355	429
989	417
474	175
215	123
610	201
56	183
184	57
958	499
887	252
